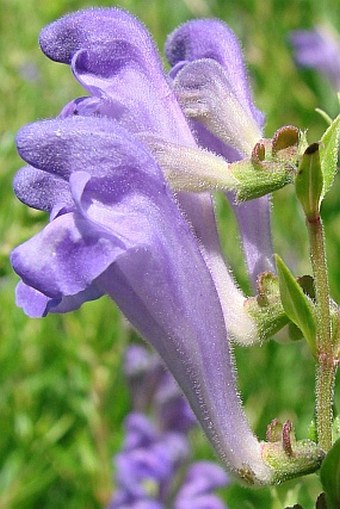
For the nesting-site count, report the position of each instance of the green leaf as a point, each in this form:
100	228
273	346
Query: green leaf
309	181
329	149
330	476
296	304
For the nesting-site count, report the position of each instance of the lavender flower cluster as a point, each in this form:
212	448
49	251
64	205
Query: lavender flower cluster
127	175
153	469
106	169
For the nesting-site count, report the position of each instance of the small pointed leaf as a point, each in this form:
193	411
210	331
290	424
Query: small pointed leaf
296	304
330	476
309	181
329	149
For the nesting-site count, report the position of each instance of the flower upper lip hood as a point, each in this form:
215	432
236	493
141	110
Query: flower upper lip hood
213	39
95	28
109	52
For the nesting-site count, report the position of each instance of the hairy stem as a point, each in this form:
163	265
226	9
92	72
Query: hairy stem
325	372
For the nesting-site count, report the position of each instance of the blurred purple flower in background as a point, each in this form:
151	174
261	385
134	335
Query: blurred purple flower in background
153	467
318	49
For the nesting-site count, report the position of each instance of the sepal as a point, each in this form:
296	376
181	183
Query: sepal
288	457
272	165
266	307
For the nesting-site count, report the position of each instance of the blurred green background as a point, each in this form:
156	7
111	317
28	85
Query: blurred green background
63	397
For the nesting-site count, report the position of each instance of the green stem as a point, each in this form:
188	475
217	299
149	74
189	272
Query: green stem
325	372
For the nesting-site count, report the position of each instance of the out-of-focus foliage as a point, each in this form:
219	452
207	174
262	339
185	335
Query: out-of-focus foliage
63	396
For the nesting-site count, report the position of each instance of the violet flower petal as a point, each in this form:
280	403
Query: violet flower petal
123	503
65	257
140	432
172	410
254	220
34	303
110	51
207	94
201	502
154	456
92	28
212	39
41	190
203	477
144	372
138	361
201	480
37	304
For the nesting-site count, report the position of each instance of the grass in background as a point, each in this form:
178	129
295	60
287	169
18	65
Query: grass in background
63	397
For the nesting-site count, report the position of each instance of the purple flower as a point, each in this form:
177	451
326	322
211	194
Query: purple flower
150	466
150	469
148	462
197	490
144	372
152	385
117	229
318	49
212	84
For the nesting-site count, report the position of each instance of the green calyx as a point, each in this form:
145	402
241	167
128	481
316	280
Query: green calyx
266	307
288	457
271	166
